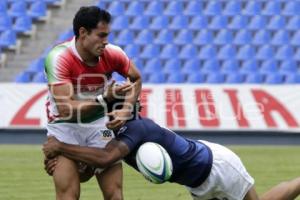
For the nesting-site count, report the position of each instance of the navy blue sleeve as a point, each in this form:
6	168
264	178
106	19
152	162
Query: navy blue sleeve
132	134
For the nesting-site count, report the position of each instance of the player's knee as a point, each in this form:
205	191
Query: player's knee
117	195
67	195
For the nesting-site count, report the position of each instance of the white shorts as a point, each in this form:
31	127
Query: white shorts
91	136
228	179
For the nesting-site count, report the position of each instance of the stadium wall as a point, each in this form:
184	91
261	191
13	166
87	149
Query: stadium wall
233	114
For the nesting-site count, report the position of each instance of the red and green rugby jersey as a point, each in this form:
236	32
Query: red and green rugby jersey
63	65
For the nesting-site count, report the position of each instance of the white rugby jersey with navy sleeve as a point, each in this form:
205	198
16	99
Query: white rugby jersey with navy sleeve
64	65
192	160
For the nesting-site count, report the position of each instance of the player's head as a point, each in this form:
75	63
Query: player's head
91	25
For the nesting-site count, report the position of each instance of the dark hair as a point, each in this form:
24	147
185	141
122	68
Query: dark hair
89	17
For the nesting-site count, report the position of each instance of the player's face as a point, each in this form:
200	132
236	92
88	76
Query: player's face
97	39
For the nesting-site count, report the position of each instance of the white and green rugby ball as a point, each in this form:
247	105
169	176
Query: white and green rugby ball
154	162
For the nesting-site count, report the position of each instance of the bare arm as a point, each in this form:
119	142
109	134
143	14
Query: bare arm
68	107
135	77
121	116
114	151
72	109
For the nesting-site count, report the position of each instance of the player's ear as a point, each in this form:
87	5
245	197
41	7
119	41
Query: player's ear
82	32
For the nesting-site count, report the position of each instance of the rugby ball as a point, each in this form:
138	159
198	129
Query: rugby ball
154	162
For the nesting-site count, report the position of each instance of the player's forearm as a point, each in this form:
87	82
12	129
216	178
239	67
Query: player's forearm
91	156
132	96
74	109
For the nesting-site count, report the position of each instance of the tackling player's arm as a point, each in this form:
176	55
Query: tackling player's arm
70	108
120	116
114	151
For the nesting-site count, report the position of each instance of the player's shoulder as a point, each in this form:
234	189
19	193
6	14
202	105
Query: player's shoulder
58	50
112	50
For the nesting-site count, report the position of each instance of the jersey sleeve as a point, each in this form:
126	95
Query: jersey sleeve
56	66
131	134
119	59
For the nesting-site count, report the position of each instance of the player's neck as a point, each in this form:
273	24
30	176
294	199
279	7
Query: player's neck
86	57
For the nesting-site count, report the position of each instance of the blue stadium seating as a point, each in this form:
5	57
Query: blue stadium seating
5	22
169	51
288	66
198	23
125	37
39	78
272	8
193	8
291	8
234	78
23	24
188	52
172	66
157	77
245	52
293	23
144	37
232	8
132	50
215	78
155	8
159	23
153	65
120	23
165	36
296	39
242	37
284	52
179	22
174	8
37	10
23	77
274	78
252	8
208	52
239	22
206	41
257	22
17	9
150	51
292	78
204	37
135	8
175	78
191	66
249	66
140	23
116	8
265	52
276	23
8	39
213	8
223	37
280	38
195	78
183	37
268	67
210	66
230	66
262	37
254	78
227	52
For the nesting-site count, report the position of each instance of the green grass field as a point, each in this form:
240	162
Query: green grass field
22	175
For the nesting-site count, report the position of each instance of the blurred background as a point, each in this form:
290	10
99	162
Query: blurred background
222	70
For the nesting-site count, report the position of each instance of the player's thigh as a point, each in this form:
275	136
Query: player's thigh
111	182
65	176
